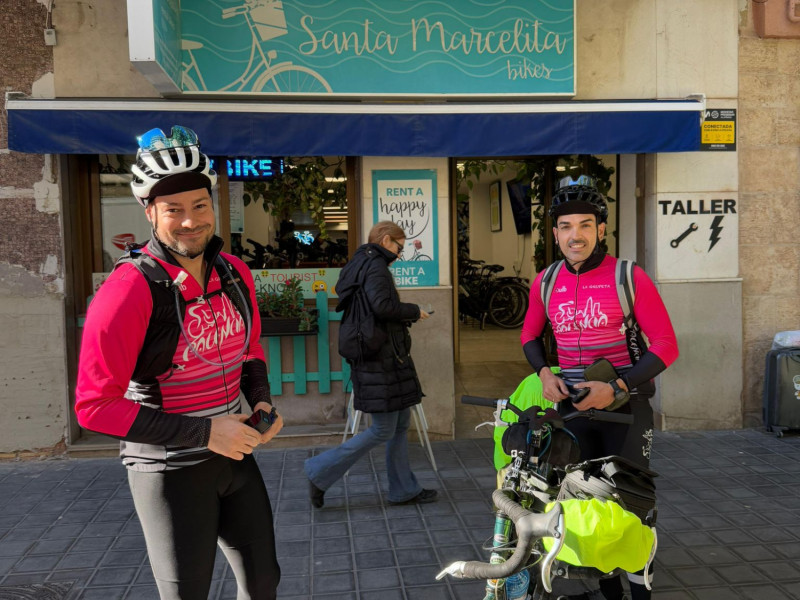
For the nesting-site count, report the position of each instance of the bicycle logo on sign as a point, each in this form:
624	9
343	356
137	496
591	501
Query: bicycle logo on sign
417	254
266	21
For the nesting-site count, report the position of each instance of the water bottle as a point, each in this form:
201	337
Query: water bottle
495	588
517	585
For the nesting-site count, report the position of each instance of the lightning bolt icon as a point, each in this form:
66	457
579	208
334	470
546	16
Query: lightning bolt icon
716	228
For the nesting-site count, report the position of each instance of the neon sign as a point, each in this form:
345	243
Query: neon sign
304	237
248	168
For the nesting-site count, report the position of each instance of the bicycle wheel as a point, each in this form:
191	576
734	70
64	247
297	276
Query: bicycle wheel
524	296
508	304
286	77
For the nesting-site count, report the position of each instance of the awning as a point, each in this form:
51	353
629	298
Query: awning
359	129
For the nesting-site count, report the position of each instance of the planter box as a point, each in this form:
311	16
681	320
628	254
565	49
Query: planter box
271	326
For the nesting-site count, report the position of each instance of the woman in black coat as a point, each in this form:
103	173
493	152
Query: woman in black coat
385	382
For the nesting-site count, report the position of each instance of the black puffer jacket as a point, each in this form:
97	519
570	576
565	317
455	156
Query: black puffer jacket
385	381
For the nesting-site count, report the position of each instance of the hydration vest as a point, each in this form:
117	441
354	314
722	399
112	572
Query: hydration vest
163	330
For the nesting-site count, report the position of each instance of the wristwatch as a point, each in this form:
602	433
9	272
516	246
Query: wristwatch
621	396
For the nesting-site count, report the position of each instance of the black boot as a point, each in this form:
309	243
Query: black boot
317	495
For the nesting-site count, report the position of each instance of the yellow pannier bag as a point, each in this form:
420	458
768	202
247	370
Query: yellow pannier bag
603	535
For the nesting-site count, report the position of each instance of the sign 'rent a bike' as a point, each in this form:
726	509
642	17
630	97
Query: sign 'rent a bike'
408	198
361	48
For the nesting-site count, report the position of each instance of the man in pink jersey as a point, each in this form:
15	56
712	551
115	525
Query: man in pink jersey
588	324
169	347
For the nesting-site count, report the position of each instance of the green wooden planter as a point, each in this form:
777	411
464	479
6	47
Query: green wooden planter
282	326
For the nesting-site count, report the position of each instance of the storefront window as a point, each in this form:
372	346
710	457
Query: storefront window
287	216
295	219
526	186
122	217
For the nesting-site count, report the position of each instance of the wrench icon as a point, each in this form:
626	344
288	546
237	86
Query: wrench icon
674	243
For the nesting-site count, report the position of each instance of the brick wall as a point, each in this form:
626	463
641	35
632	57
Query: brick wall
32	350
769	193
28	235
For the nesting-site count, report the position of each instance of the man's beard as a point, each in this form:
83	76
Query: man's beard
186	252
176	247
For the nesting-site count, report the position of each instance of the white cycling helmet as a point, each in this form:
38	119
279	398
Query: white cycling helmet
161	158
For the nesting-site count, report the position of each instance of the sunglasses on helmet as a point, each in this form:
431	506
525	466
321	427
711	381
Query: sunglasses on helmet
582	180
156	139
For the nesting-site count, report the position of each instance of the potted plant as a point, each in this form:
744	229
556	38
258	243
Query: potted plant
283	312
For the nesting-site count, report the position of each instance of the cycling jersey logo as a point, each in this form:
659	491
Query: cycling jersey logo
561	290
209	329
568	319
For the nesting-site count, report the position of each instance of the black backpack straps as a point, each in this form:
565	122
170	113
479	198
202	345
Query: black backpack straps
626	291
156	275
163	329
230	279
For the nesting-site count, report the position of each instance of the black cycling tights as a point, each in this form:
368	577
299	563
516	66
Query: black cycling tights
633	442
186	512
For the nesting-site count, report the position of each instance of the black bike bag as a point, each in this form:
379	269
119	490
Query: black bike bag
613	478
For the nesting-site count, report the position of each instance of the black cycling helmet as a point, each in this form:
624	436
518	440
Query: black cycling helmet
579	196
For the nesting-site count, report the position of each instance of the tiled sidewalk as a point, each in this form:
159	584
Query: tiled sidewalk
728	525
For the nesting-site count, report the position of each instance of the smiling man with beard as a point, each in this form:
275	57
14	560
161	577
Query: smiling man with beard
589	324
169	343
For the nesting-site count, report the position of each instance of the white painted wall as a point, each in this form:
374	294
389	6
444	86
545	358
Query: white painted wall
504	247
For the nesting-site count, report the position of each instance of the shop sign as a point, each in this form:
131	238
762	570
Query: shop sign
719	129
391	48
698	236
311	280
408	198
251	168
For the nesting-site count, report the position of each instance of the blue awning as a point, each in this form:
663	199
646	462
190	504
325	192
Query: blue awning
358	129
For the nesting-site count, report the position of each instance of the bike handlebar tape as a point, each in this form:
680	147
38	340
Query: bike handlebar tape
479	401
530	527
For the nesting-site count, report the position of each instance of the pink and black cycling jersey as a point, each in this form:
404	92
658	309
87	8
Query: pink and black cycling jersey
587	319
108	402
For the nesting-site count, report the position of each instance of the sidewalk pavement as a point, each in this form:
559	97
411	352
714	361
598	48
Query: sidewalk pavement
729	525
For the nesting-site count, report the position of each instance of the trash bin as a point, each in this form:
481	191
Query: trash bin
782	383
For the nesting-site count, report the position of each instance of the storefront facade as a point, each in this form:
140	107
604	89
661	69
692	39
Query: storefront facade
637	65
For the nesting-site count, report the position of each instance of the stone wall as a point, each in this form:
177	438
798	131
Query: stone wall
32	362
769	193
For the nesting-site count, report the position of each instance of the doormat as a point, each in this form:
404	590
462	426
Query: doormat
36	591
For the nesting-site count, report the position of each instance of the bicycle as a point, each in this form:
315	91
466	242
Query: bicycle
261	69
482	295
265	257
531	485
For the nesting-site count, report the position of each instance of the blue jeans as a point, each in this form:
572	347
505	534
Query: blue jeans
330	466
